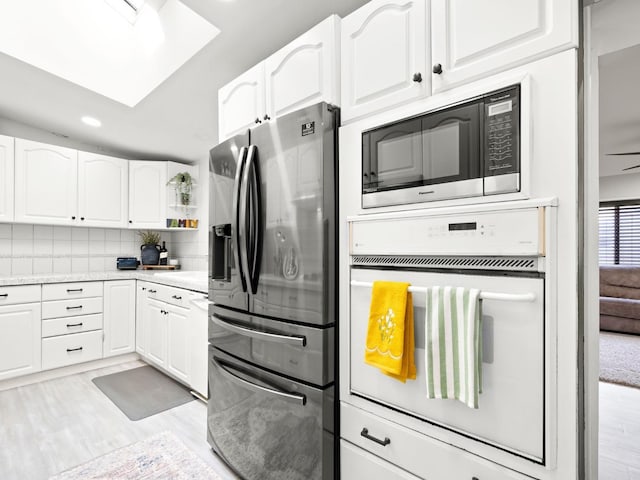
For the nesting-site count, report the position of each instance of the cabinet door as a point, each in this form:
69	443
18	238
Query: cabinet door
119	317
241	103
306	71
475	38
384	56
178	342
147	194
46	183
103	195
6	178
20	328
157	332
198	313
142	318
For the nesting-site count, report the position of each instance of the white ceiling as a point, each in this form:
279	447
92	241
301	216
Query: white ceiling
619	74
178	119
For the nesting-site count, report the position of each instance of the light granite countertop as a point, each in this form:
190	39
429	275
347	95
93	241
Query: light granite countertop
190	280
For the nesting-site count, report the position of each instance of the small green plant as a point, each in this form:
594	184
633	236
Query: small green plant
149	238
182	184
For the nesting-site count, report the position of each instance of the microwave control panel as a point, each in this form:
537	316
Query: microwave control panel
502	132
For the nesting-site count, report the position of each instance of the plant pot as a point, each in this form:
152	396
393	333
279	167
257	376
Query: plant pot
149	254
185	198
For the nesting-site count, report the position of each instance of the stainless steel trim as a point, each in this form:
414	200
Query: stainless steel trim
298	340
502	184
426	193
235	215
301	399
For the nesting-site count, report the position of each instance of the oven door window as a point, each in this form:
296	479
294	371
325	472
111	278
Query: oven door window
436	148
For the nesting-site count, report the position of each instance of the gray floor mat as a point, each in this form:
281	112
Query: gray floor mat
142	392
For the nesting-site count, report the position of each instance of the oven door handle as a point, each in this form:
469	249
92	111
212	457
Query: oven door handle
226	368
299	340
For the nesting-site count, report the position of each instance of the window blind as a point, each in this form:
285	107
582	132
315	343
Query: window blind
619	234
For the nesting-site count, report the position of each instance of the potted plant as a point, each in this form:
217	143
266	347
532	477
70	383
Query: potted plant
150	248
182	184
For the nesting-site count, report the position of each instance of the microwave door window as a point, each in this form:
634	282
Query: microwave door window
397	158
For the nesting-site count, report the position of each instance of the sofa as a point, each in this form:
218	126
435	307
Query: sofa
620	299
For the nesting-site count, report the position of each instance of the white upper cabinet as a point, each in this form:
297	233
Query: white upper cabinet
147	194
102	190
241	103
385	57
46	184
306	71
6	178
474	38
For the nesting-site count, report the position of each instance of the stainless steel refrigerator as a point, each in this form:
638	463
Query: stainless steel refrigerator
273	284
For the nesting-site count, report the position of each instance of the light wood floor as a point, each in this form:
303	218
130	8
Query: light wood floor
51	426
619	432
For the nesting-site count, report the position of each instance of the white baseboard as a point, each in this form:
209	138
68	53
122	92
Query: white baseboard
64	371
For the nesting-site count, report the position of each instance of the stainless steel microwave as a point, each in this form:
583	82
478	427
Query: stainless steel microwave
466	150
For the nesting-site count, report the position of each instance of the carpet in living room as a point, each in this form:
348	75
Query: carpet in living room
620	358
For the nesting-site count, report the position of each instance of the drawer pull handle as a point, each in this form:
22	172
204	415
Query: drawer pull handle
74	308
74	349
69	325
152	291
4	295
177	297
365	434
71	290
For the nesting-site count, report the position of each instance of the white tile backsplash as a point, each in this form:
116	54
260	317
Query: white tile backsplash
21	266
41	249
43	232
43	265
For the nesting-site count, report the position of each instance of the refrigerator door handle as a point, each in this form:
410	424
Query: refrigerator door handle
299	340
253	208
237	236
225	369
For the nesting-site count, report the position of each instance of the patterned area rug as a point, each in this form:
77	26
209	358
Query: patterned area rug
620	359
161	456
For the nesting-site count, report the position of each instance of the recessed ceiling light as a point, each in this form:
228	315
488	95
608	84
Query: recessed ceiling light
91	121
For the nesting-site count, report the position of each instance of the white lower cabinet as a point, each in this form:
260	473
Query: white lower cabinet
66	350
358	463
178	342
119	317
19	332
156	333
171	332
414	452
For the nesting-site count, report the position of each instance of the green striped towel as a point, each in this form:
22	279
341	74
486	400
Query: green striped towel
453	345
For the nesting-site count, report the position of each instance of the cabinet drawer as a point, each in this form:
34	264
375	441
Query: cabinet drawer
419	454
357	463
63	291
70	349
171	295
64	326
68	308
19	294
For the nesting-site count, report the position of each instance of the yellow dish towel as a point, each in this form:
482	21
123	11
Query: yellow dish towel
390	333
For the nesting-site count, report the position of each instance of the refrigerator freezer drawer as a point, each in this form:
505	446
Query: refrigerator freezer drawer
267	427
298	351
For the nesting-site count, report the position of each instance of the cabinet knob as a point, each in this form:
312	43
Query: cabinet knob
417	77
373	174
130	221
73	218
258	120
365	175
82	218
266	117
437	69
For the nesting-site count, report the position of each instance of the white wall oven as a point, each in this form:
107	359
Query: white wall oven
464	150
501	253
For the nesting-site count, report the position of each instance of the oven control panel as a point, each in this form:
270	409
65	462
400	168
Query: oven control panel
508	232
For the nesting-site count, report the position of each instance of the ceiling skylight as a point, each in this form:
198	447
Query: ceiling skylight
89	44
